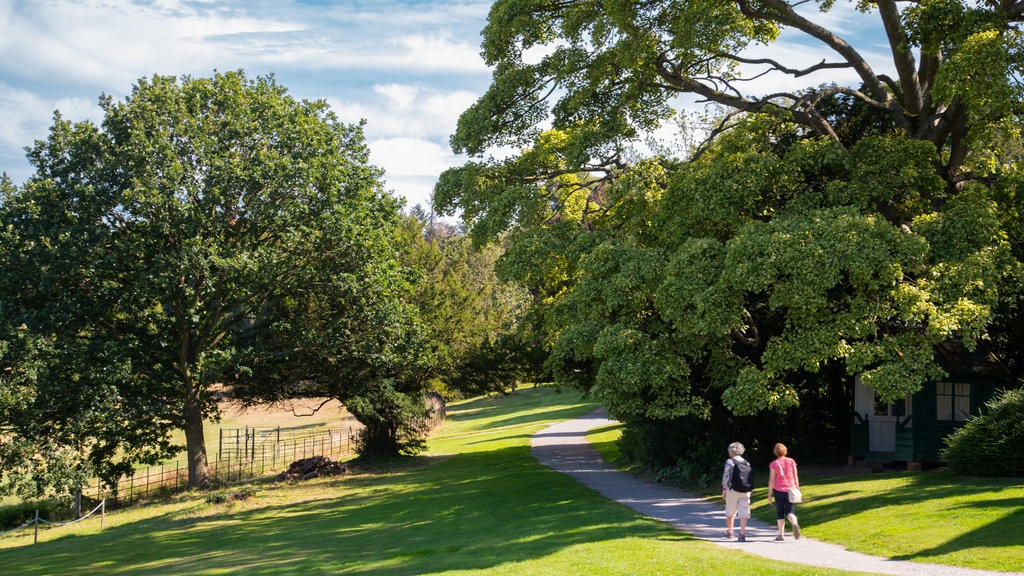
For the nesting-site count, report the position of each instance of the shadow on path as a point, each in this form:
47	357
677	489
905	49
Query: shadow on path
564	448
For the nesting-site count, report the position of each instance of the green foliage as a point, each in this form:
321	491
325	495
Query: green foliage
817	234
207	228
682	452
391	418
17	515
474	320
989	443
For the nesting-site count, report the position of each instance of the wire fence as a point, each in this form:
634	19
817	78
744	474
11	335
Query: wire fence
243	454
234	462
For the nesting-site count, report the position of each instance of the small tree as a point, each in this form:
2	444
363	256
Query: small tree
988	444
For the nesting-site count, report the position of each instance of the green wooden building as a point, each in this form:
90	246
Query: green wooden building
912	429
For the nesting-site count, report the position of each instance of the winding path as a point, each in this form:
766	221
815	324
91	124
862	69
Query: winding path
564	447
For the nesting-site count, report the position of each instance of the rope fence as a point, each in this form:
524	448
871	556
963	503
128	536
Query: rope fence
101	508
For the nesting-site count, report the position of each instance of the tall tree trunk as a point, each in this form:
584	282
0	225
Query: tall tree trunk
195	443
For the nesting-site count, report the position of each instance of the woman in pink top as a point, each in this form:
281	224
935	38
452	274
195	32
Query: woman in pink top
781	477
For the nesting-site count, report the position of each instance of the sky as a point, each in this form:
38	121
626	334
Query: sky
409	68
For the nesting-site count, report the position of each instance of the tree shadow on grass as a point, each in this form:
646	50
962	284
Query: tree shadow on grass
829	503
467	512
1005	532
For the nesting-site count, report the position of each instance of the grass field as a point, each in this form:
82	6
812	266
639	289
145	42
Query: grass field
476	503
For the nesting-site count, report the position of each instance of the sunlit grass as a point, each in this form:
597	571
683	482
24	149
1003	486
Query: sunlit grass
476	503
930	516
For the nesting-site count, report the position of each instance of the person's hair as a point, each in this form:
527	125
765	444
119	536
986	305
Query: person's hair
780	450
736	449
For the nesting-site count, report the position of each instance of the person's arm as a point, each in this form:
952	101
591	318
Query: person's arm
796	476
727	476
771	482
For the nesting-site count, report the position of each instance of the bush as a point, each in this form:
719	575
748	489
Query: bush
15	515
686	452
989	443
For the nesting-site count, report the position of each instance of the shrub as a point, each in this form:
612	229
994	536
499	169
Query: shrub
989	443
685	452
15	515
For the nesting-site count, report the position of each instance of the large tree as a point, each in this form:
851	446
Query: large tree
142	248
835	225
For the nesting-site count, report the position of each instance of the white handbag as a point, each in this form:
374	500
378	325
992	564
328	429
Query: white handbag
795	495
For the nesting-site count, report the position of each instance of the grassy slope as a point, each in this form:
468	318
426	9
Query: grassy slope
476	503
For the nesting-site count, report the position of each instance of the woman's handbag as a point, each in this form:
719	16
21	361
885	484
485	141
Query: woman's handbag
795	495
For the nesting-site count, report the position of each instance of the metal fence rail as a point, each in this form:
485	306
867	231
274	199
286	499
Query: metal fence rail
235	464
231	464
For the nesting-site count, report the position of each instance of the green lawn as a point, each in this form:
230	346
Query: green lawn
933	517
477	503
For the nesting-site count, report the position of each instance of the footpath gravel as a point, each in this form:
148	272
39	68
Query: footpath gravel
564	447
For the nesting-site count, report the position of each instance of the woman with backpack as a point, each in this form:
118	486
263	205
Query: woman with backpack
782	480
737	483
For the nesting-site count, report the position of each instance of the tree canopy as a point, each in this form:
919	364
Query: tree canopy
832	226
149	259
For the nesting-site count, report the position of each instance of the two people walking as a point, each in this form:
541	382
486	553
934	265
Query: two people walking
737	486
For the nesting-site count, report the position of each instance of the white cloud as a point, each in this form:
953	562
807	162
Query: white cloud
407	110
27	117
406	68
407	130
411	166
399	95
113	43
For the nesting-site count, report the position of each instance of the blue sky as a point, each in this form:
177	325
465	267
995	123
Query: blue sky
408	67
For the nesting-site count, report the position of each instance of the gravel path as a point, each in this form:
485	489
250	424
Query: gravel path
564	448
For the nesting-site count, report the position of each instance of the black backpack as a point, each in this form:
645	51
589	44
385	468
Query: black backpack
742	476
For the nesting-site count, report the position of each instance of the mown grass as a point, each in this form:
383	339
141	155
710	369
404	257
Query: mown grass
934	517
476	503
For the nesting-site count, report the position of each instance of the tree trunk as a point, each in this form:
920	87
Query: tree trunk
195	443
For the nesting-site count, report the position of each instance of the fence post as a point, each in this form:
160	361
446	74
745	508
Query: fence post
103	512
35	538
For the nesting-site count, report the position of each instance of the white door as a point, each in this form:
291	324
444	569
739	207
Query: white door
880	416
882	433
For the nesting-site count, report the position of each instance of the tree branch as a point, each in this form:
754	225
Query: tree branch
823	65
913	97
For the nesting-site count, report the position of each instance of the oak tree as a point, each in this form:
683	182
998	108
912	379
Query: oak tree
143	248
